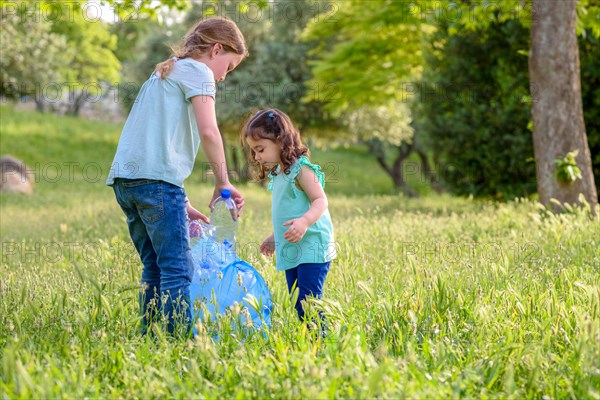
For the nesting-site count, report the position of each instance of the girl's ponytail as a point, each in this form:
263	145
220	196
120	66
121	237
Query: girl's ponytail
201	38
165	67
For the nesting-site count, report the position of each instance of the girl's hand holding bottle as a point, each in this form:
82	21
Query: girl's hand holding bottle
235	195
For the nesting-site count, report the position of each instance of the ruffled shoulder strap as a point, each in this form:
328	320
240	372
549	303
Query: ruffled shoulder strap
271	177
316	168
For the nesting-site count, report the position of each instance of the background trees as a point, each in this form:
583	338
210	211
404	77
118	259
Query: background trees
441	87
57	53
32	57
483	144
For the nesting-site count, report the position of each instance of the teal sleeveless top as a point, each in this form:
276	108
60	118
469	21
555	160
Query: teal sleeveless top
289	202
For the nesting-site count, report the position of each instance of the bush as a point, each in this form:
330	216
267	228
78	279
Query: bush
475	110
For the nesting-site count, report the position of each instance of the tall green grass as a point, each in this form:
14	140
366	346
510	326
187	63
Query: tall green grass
430	298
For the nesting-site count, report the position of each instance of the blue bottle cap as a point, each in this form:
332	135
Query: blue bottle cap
225	193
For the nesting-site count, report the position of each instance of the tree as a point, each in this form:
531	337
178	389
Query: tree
386	128
370	53
45	36
33	60
369	50
94	65
275	73
558	125
152	47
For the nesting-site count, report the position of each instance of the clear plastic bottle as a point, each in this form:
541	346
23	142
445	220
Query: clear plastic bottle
224	218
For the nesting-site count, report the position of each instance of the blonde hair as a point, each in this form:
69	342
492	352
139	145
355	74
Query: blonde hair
200	40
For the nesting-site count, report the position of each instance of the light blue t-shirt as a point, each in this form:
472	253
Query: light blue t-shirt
160	138
288	202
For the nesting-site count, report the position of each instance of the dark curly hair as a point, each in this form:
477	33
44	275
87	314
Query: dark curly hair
275	125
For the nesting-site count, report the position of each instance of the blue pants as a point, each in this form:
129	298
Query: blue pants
309	279
157	223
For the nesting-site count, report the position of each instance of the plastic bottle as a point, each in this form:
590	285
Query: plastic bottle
195	230
224	217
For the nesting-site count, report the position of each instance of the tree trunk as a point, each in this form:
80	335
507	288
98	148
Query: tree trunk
396	170
78	101
558	126
240	170
427	172
39	105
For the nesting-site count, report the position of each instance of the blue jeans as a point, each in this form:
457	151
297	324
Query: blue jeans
157	223
309	279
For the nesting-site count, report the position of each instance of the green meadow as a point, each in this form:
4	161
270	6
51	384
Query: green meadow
434	297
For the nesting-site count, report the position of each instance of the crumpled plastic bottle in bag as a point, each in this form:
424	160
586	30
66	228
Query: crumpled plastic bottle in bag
221	280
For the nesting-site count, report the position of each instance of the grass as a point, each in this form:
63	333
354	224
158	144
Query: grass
432	297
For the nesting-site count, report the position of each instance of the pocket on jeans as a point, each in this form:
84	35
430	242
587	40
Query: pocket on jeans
148	198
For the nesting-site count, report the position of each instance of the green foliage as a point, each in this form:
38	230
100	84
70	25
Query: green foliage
588	17
482	15
474	110
272	76
589	56
94	59
155	47
474	118
369	53
129	34
142	45
369	49
387	131
32	56
128	9
567	170
54	47
466	14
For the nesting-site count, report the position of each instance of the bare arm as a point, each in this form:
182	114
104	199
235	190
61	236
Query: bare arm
210	137
212	145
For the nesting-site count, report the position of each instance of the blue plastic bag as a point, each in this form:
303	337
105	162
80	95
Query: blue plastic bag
222	281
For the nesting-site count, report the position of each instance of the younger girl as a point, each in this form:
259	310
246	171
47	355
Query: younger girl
173	114
303	234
